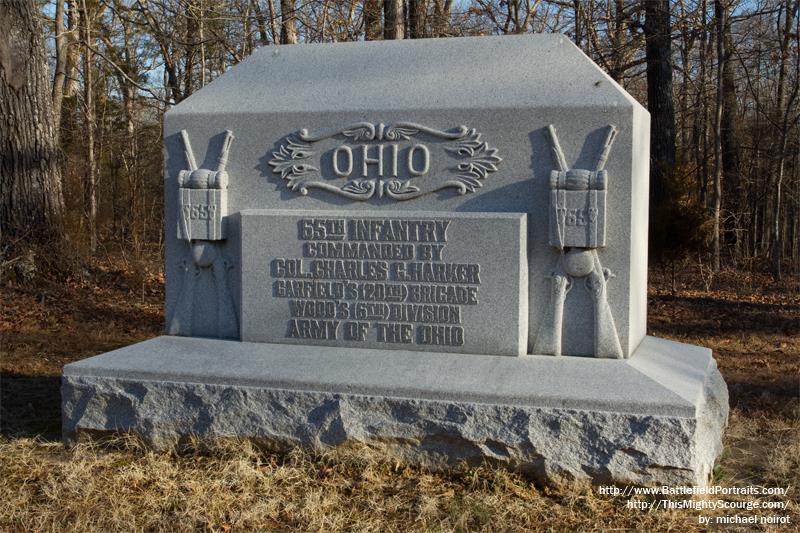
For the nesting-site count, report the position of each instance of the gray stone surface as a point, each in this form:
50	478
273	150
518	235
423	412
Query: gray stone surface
480	107
655	418
416	282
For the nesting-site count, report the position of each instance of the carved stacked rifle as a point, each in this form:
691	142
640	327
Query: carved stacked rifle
577	229
203	204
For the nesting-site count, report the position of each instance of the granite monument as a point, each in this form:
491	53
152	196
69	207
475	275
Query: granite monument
434	247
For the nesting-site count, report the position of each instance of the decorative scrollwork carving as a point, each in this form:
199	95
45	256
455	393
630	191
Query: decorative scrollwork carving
481	161
287	162
477	160
400	189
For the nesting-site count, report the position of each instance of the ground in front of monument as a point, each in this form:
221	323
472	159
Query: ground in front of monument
750	322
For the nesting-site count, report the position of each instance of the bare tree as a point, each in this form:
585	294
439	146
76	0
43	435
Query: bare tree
273	21
729	140
700	122
659	98
417	10
261	20
73	48
393	27
783	116
167	46
31	201
88	103
121	53
372	20
441	17
288	22
61	62
720	15
621	40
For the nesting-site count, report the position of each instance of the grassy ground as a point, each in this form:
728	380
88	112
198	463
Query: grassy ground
751	323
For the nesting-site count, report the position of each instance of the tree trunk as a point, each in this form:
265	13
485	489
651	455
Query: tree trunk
372	20
73	49
248	43
698	120
88	102
659	98
273	21
31	201
796	220
417	9
720	15
441	17
190	40
729	132
261	21
393	19
61	64
702	116
576	6
782	118
202	37
288	22
687	44
619	52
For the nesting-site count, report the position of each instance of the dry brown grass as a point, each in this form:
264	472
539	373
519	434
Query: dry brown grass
237	487
752	324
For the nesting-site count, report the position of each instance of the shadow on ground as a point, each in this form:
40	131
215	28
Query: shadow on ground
30	406
718	317
779	395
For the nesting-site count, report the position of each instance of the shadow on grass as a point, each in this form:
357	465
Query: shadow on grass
30	406
107	315
86	308
726	303
715	317
780	395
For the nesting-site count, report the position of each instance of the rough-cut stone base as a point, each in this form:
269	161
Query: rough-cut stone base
655	418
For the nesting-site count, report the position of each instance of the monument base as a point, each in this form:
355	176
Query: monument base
657	417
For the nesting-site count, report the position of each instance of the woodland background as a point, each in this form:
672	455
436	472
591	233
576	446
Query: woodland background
86	84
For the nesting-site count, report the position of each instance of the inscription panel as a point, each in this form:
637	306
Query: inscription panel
454	282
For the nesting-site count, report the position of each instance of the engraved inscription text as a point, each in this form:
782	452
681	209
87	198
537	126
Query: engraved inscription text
380	280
